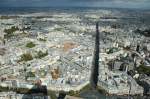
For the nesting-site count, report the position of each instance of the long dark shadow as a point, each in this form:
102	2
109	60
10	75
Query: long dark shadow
95	61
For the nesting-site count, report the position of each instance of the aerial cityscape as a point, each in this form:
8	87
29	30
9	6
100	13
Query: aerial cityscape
74	53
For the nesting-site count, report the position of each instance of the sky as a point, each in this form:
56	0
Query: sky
145	4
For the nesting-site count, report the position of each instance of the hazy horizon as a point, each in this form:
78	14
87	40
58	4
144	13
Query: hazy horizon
140	4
